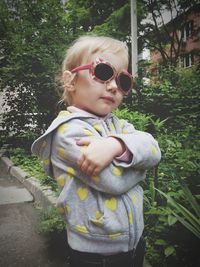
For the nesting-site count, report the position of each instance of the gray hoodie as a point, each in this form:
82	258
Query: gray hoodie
103	213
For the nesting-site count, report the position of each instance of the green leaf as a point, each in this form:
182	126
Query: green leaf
171	220
190	198
161	242
185	212
169	251
195	231
189	220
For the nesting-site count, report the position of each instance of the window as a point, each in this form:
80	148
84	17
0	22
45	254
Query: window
186	60
187	30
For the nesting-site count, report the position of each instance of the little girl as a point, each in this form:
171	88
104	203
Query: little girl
97	159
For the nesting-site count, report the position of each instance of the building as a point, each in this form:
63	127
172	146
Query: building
186	47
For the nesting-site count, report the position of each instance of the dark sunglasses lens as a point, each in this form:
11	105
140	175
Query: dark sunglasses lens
125	82
103	72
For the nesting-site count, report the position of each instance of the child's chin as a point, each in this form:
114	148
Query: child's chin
102	113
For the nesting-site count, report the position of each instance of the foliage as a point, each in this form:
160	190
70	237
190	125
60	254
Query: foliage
83	16
173	95
30	57
116	24
32	165
190	220
139	120
176	92
50	220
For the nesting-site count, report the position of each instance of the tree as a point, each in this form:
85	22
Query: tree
159	35
32	44
102	18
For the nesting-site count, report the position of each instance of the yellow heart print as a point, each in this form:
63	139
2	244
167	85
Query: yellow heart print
130	218
61	152
97	127
117	171
96	179
81	229
153	150
82	193
46	162
63	113
61	180
61	128
133	198
111	204
71	170
87	132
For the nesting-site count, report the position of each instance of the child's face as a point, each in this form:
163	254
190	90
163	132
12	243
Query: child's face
94	97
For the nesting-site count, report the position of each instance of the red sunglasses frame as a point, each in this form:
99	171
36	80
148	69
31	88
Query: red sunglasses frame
91	68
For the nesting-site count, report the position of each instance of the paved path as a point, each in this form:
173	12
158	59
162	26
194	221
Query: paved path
21	244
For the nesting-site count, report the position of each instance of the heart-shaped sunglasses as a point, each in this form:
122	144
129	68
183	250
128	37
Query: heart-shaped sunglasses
104	72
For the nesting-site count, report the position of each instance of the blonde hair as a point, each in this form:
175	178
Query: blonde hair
83	48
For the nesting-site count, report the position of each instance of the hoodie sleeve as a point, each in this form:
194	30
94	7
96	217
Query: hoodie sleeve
142	145
65	153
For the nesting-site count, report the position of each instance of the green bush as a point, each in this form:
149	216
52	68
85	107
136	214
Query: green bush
51	221
173	97
32	165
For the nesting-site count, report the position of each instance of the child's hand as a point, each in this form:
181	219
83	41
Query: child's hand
98	154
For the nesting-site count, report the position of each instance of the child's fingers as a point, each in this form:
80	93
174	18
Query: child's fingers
96	171
87	166
80	160
84	164
85	141
90	170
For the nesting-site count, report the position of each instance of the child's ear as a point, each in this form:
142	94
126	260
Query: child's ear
68	78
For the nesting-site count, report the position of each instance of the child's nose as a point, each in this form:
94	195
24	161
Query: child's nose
112	85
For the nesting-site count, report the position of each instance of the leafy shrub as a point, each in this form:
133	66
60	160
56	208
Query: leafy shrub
32	165
139	120
51	221
174	98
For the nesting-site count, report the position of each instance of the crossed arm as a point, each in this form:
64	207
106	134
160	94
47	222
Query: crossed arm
96	163
99	153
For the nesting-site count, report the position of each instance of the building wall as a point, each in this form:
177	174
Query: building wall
193	42
189	44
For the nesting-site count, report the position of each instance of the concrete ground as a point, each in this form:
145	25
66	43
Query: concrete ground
21	244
